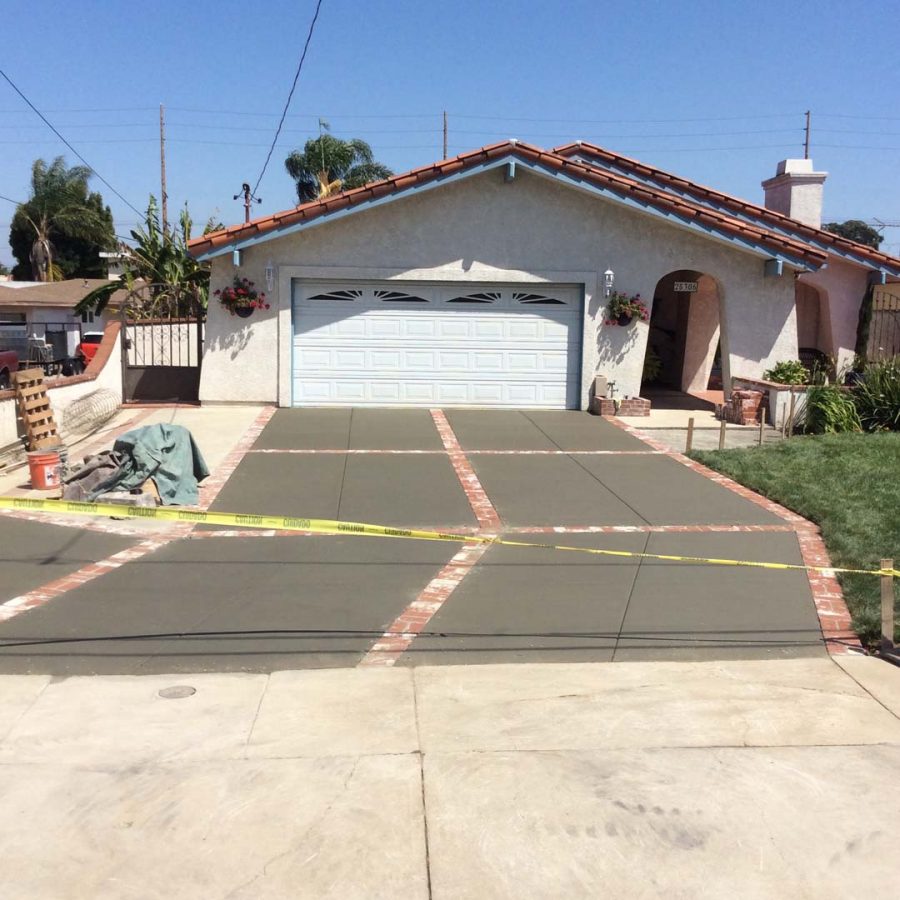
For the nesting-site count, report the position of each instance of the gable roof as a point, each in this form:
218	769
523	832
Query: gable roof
64	294
642	188
743	209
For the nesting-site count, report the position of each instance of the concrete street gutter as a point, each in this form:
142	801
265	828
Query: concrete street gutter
714	779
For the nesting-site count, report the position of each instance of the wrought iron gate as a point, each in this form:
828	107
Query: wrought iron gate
162	345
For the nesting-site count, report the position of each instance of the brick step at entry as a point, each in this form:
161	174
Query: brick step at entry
628	406
744	407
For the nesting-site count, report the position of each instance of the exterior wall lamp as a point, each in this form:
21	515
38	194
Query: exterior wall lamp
609	278
270	276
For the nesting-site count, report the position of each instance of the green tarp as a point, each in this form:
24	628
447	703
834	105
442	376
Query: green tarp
165	453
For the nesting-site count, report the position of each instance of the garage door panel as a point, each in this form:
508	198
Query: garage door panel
350	391
487	393
487	362
488	330
493	352
419	327
381	360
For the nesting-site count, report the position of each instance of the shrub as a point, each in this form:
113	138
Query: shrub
877	396
830	409
791	371
626	307
652	365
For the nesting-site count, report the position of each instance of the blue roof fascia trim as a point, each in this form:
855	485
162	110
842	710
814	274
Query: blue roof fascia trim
727	210
539	169
646	207
357	207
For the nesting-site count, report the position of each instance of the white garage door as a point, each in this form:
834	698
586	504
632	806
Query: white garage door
408	344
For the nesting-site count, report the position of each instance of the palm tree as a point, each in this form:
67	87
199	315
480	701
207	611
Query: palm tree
328	165
157	268
60	207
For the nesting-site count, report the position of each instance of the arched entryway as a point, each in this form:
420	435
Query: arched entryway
814	341
684	351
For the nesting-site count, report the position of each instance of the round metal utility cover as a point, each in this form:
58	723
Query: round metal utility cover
178	692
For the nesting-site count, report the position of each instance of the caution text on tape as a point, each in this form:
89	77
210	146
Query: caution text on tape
334	526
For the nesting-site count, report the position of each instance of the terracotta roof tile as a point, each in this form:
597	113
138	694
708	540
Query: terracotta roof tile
623	186
766	216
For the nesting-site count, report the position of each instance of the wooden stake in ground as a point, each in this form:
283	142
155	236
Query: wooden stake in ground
887	606
762	425
690	436
722	434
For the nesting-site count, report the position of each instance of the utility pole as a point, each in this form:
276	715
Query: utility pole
162	168
806	142
248	199
445	134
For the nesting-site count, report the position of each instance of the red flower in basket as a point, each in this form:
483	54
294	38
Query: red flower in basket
241	298
623	309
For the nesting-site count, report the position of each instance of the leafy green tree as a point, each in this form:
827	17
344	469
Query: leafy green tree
61	229
213	223
3	270
856	230
328	165
159	261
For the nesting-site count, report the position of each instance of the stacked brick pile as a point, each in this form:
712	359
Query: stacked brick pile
629	406
744	407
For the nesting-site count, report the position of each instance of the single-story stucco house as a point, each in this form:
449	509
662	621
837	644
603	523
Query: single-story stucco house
45	311
483	280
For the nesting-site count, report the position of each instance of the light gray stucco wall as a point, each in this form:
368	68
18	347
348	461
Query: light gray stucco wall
702	335
841	288
483	229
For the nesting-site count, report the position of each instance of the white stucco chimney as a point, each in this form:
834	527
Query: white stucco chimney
796	191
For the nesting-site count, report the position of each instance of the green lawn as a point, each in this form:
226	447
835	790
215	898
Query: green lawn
849	485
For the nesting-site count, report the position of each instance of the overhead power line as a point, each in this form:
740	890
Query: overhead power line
49	124
312	26
436	114
96	109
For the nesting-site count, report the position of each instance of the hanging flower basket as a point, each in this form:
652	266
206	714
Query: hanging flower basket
623	309
242	298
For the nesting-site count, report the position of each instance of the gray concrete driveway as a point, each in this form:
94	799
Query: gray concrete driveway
220	600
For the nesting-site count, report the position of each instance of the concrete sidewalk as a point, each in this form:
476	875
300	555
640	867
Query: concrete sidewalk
216	429
712	779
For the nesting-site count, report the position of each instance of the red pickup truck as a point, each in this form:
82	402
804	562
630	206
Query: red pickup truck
86	350
9	363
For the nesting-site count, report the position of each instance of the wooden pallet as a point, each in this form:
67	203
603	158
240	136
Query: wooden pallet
34	409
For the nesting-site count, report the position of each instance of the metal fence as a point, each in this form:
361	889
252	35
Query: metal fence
164	342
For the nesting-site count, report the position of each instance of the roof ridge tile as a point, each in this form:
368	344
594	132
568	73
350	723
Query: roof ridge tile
730	199
618	183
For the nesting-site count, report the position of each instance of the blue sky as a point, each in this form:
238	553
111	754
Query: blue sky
710	90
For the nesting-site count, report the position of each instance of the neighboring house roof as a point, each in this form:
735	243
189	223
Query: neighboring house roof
684	203
59	294
713	199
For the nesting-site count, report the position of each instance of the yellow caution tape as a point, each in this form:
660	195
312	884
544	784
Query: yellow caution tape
332	526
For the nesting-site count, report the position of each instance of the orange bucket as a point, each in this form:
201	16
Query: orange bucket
44	466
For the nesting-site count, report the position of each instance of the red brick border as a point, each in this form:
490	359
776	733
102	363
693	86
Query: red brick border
478	499
831	607
47	592
411	622
212	485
